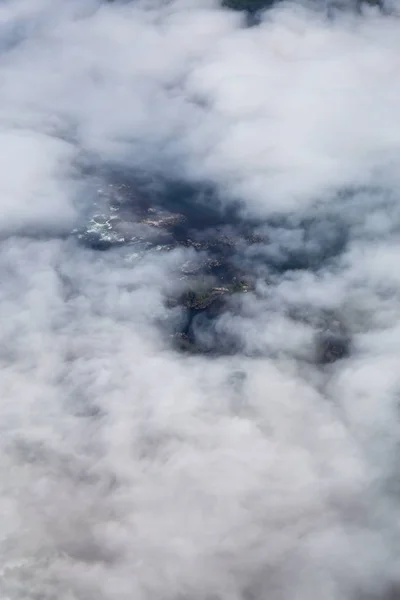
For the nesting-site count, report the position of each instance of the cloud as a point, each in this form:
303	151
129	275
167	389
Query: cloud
260	160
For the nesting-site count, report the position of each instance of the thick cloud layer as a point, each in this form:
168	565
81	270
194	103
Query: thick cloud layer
263	462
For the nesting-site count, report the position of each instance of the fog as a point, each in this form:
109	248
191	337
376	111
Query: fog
160	448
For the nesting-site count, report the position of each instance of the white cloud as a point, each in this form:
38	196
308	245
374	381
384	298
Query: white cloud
126	468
